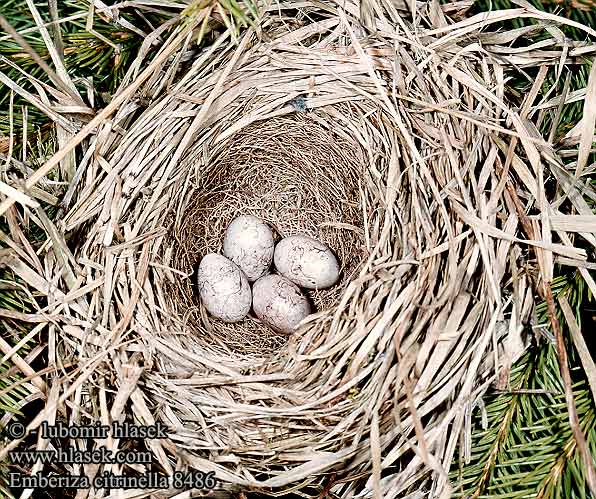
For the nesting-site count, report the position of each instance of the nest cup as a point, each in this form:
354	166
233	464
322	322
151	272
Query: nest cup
297	173
387	152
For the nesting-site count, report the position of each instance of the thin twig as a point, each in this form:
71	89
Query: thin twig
545	291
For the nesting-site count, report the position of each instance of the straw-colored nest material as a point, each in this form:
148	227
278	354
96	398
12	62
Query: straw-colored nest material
402	151
302	175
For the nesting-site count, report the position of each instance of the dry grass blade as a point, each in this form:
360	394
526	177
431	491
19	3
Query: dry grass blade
580	344
67	88
588	123
117	101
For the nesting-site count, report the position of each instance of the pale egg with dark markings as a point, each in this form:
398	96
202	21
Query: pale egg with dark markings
279	303
224	288
248	242
307	262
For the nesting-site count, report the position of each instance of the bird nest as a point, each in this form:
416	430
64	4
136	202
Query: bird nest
395	143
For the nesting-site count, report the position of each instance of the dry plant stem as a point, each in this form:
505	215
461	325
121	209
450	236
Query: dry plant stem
545	291
25	368
589	122
57	32
36	374
6	26
328	486
580	344
127	93
580	438
42	416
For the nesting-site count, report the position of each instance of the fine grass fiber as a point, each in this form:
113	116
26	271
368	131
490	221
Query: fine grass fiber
296	174
393	137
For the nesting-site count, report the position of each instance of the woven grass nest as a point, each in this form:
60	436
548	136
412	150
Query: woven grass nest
392	139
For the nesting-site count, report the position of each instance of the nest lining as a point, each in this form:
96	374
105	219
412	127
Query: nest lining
298	176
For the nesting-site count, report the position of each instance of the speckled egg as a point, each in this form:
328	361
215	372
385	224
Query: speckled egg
224	288
248	242
279	303
306	262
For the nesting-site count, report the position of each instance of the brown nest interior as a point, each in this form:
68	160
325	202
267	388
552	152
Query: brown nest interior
299	175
